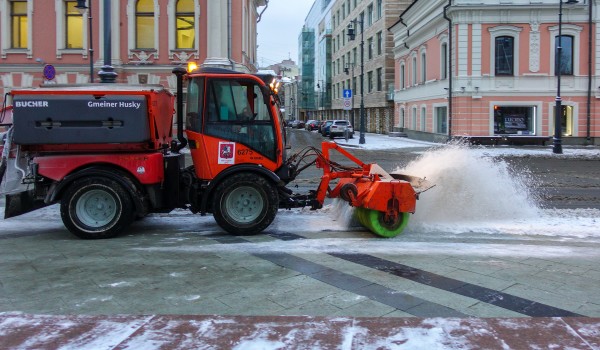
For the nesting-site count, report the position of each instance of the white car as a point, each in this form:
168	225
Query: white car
339	127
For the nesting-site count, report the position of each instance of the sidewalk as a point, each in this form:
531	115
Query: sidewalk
18	331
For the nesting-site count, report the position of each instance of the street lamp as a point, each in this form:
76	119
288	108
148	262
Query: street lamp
557	141
351	36
81	7
107	72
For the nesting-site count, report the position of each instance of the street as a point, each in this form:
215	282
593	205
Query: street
493	262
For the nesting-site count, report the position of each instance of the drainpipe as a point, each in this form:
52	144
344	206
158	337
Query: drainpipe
449	69
229	38
589	95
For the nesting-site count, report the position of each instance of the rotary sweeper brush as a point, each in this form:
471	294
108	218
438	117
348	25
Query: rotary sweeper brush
107	154
383	202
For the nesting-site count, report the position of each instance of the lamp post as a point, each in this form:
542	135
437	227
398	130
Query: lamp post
320	97
347	71
557	141
107	72
81	7
351	36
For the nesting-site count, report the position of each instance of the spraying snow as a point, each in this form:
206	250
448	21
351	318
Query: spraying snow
469	187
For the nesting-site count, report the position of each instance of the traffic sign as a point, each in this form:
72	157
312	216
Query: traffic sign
49	72
347	104
347	93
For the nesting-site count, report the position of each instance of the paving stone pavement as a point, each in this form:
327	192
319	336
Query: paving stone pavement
183	268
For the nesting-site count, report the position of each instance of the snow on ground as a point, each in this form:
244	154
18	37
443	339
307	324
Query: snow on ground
383	142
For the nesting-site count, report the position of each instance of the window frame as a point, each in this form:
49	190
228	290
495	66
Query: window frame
567	30
505	30
177	30
6	30
66	29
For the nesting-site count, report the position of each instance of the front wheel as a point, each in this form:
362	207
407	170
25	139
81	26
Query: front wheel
245	204
96	208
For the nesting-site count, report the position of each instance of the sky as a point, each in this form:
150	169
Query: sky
279	28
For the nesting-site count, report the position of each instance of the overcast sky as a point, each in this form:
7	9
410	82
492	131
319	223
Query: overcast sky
279	28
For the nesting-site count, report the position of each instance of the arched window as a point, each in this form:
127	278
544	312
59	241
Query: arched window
504	58
186	24
144	24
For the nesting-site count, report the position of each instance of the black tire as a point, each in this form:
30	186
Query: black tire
245	204
96	208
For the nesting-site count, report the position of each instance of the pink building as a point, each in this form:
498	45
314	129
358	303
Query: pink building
149	37
494	73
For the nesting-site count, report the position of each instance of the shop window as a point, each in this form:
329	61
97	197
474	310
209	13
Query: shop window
18	19
518	120
186	25
441	120
144	24
504	57
73	26
566	57
566	121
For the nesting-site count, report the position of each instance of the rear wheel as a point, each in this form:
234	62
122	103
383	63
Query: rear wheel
96	207
245	204
381	225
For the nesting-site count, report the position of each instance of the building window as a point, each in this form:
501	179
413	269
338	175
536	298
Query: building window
504	58
379	79
402	115
514	120
423	67
186	25
444	61
441	120
343	11
370	15
402	76
144	24
370	81
379	43
370	48
414	118
379	8
566	57
414	71
18	20
73	26
423	118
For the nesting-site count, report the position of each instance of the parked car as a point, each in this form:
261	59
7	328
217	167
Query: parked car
339	127
297	124
311	125
325	128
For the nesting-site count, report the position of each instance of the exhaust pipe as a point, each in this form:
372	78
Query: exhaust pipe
179	72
